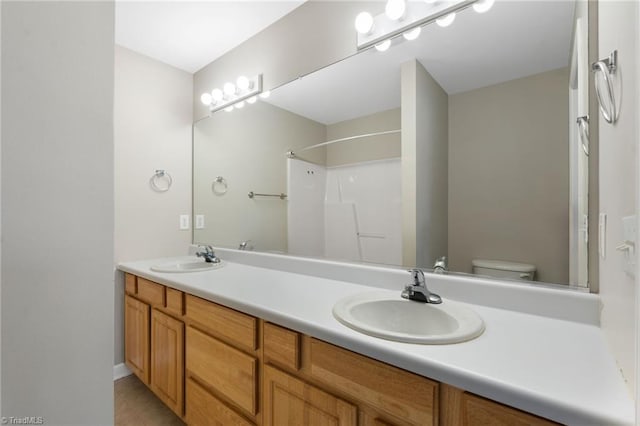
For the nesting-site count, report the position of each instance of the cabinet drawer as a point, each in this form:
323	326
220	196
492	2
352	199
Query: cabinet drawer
205	409
230	371
388	389
232	325
151	292
478	411
130	283
282	346
174	301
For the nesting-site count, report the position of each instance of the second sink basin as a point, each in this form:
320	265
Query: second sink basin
388	316
186	266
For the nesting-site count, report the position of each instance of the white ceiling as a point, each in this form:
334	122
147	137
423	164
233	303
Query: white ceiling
514	39
191	34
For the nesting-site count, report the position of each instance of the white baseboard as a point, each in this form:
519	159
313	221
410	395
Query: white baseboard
120	371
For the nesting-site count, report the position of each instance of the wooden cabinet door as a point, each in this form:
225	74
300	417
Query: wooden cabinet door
167	360
136	337
292	402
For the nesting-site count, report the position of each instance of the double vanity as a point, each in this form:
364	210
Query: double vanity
272	340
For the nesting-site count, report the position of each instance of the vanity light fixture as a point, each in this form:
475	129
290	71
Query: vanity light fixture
406	18
233	95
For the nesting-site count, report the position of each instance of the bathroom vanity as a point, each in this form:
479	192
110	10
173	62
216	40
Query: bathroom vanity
245	344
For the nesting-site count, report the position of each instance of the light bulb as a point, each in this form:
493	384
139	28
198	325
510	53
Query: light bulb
364	23
265	95
395	9
252	100
483	5
206	99
217	95
243	83
229	108
239	104
382	47
412	34
445	21
229	89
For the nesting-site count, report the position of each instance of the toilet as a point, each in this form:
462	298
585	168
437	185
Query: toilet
504	269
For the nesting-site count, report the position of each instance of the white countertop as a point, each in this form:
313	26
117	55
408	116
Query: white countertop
556	368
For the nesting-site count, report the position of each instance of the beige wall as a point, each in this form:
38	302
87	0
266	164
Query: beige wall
152	130
57	211
247	147
365	149
508	175
618	26
424	166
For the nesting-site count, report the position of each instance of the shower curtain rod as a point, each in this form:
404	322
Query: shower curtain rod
366	135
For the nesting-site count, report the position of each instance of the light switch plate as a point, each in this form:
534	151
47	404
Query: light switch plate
199	221
602	235
184	222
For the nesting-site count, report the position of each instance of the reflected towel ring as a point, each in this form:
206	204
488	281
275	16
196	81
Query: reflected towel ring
219	186
161	181
583	129
607	68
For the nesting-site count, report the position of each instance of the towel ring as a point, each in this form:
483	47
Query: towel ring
583	130
219	186
607	67
161	181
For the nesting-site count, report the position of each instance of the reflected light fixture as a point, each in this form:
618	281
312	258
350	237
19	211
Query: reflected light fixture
384	46
364	23
445	21
395	9
233	95
265	95
406	18
412	34
483	6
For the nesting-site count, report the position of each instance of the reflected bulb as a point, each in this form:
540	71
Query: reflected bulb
381	47
252	100
229	89
364	23
206	99
217	95
483	5
446	20
413	34
229	108
239	104
265	95
243	83
395	9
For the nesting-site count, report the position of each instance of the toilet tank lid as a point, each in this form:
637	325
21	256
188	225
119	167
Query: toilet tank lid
503	265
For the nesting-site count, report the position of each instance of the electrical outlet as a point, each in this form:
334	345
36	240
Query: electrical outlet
199	221
184	222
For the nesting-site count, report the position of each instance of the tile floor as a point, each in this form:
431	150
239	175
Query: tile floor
136	405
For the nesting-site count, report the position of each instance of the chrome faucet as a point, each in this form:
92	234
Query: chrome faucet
418	290
441	266
208	254
244	245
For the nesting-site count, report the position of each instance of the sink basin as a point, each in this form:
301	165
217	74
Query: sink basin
386	315
186	266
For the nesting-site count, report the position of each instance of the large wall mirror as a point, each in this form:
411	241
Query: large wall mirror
463	143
